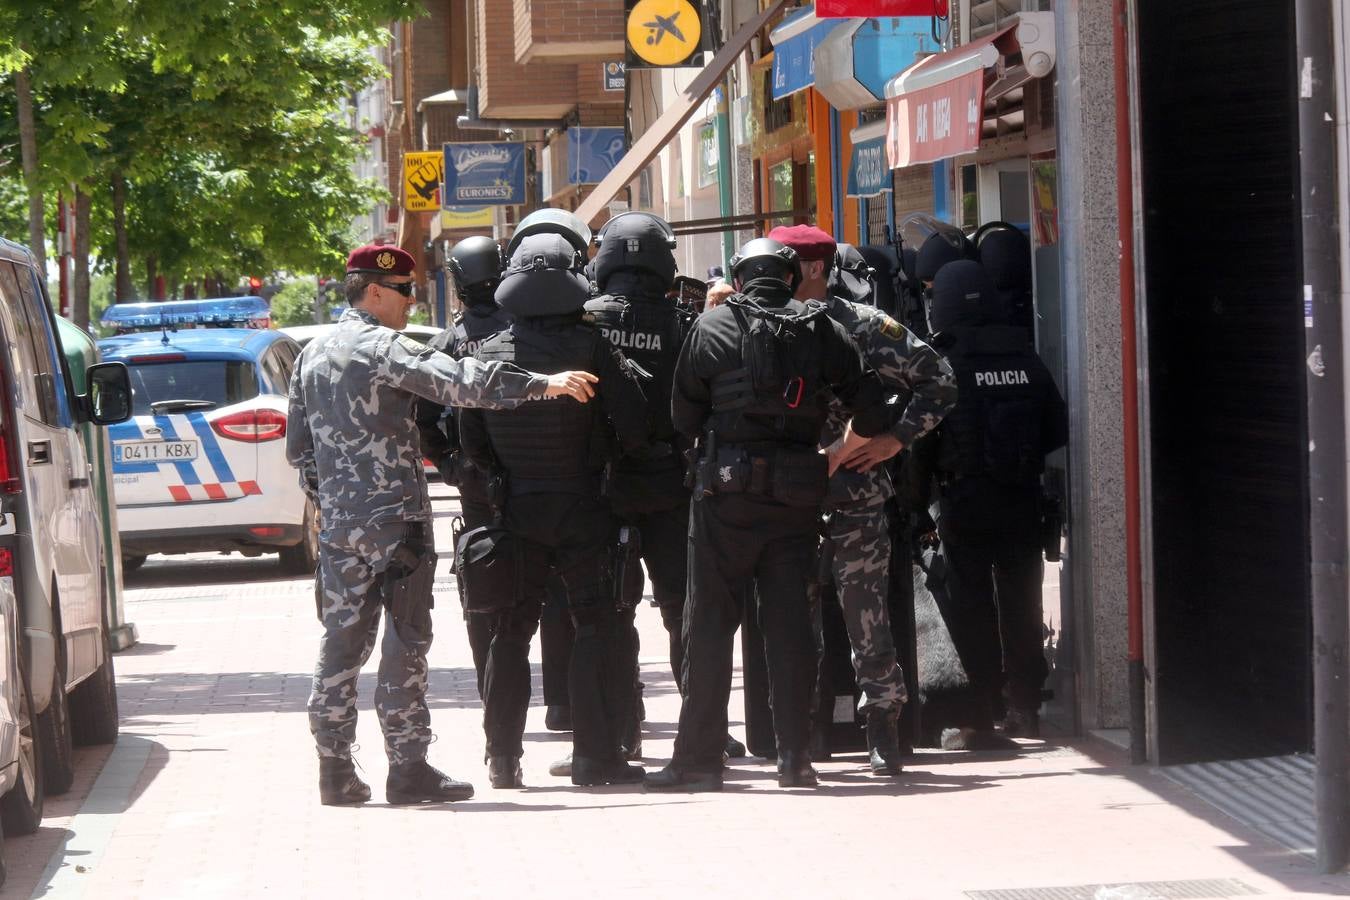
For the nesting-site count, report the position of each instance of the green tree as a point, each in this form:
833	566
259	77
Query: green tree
294	303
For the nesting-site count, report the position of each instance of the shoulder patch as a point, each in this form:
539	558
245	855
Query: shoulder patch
891	328
409	344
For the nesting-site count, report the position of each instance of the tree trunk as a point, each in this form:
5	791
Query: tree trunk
79	306
37	232
124	289
151	271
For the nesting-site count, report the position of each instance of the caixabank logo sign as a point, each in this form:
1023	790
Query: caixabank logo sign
663	32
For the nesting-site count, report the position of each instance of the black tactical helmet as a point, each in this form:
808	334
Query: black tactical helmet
939	249
475	262
963	297
851	277
767	258
544	278
1005	254
635	241
551	221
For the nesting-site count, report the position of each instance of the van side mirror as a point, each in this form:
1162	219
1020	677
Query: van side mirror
109	399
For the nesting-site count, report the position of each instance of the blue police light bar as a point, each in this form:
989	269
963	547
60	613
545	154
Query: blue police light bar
249	312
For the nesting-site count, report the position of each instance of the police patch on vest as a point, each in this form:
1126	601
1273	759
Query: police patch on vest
632	340
891	328
1001	379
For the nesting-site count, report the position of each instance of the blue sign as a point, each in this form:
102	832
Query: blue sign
592	153
869	174
484	174
883	47
794	60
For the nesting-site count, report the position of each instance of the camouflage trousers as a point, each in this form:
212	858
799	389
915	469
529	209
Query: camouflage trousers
860	534
352	567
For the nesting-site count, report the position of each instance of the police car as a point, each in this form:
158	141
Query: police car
201	464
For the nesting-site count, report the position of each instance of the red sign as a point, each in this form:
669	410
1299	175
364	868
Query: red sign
935	122
834	9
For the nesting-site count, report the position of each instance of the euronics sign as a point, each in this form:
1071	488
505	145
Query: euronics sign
484	174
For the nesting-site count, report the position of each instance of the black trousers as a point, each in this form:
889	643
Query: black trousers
565	537
555	625
665	555
991	539
735	539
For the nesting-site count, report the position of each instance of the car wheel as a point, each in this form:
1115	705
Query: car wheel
132	563
303	558
53	727
93	705
21	808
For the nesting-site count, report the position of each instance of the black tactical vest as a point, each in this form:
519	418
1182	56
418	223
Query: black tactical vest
650	333
553	445
775	394
998	427
473	328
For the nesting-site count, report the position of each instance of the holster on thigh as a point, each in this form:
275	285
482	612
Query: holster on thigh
405	585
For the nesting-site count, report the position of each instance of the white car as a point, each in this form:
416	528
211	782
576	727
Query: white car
201	465
303	334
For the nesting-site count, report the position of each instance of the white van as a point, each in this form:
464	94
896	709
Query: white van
59	688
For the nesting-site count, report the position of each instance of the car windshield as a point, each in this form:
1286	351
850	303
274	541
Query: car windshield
193	384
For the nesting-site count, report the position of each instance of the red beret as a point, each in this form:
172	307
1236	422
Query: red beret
809	241
380	259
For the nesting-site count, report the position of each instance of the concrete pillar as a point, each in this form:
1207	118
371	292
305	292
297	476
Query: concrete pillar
1091	284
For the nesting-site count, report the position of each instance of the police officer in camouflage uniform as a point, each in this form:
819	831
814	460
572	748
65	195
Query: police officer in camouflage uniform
551	457
350	434
857	525
752	384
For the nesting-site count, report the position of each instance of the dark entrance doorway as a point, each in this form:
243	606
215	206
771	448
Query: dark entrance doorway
1226	379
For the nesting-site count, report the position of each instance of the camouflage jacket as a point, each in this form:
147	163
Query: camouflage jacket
918	381
350	430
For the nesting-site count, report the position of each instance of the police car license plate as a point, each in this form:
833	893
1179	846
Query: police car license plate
156	451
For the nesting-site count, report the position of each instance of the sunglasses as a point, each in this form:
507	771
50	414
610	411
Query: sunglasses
405	287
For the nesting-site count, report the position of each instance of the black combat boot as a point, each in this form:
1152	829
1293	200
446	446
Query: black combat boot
418	782
587	770
1022	723
679	781
558	718
339	784
883	740
795	770
504	772
734	750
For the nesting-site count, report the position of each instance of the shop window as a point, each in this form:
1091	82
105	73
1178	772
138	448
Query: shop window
970	196
777	113
780	190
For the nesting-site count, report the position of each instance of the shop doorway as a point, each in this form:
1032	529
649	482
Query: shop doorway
1226	486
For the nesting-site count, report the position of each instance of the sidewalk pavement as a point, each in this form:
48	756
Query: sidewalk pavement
211	792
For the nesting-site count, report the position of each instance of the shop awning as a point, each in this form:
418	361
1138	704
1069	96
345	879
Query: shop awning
868	173
794	51
859	56
661	131
935	108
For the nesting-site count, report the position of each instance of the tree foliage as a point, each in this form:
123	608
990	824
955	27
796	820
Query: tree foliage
222	118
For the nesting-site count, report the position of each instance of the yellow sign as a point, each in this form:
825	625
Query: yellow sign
468	217
423	173
663	32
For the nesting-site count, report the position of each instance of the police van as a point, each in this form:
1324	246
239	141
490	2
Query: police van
201	464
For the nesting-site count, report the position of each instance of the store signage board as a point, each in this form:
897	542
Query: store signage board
842	9
484	174
615	76
422	177
662	33
794	60
592	153
869	175
935	122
